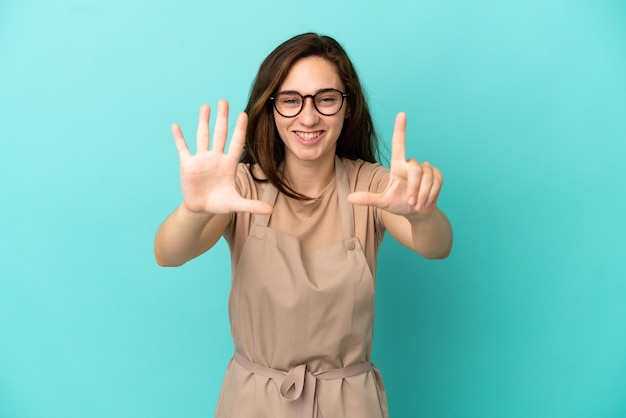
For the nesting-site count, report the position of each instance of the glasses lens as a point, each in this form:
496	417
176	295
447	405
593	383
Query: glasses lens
288	104
328	102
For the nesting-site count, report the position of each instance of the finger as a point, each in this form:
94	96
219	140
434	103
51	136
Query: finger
256	207
433	196
425	186
202	133
239	136
398	141
414	179
179	140
365	198
221	127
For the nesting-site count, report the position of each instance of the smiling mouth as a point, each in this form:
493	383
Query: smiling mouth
308	136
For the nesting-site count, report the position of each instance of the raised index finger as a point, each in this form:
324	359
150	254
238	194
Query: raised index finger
398	141
239	136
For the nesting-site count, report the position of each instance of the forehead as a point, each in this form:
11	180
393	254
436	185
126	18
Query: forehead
310	74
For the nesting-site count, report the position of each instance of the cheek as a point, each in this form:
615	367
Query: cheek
339	125
281	130
277	124
347	112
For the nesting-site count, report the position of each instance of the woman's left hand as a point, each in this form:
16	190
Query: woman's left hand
413	187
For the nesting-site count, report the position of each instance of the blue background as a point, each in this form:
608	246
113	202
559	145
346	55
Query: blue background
522	104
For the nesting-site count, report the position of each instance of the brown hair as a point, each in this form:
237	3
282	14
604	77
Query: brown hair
358	138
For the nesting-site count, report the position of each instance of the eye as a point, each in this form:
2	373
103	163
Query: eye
327	99
289	100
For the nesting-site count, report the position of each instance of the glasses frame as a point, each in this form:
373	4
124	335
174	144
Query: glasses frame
312	96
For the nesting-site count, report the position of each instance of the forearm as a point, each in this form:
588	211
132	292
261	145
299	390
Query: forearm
431	234
180	237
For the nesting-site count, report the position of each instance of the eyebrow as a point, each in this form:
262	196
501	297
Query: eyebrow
318	91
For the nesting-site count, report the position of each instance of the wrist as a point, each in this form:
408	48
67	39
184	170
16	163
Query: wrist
418	217
191	215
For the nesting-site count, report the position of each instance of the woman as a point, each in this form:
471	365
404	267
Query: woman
303	205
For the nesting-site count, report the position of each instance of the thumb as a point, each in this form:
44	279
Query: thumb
256	207
363	198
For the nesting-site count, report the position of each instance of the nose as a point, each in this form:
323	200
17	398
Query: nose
308	115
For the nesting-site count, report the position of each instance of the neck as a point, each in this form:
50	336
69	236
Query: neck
309	177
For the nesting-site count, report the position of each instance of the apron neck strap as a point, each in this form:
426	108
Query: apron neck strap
346	210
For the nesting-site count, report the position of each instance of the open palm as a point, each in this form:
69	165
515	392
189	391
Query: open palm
208	177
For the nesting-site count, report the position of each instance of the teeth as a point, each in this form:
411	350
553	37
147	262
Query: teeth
308	135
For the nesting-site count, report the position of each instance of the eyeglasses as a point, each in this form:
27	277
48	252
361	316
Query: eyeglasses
327	102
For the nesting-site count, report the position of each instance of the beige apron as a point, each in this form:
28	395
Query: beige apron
302	326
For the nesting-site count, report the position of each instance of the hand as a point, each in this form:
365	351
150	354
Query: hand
413	187
208	177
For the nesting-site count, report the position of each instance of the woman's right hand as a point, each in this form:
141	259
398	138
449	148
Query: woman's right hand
208	177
